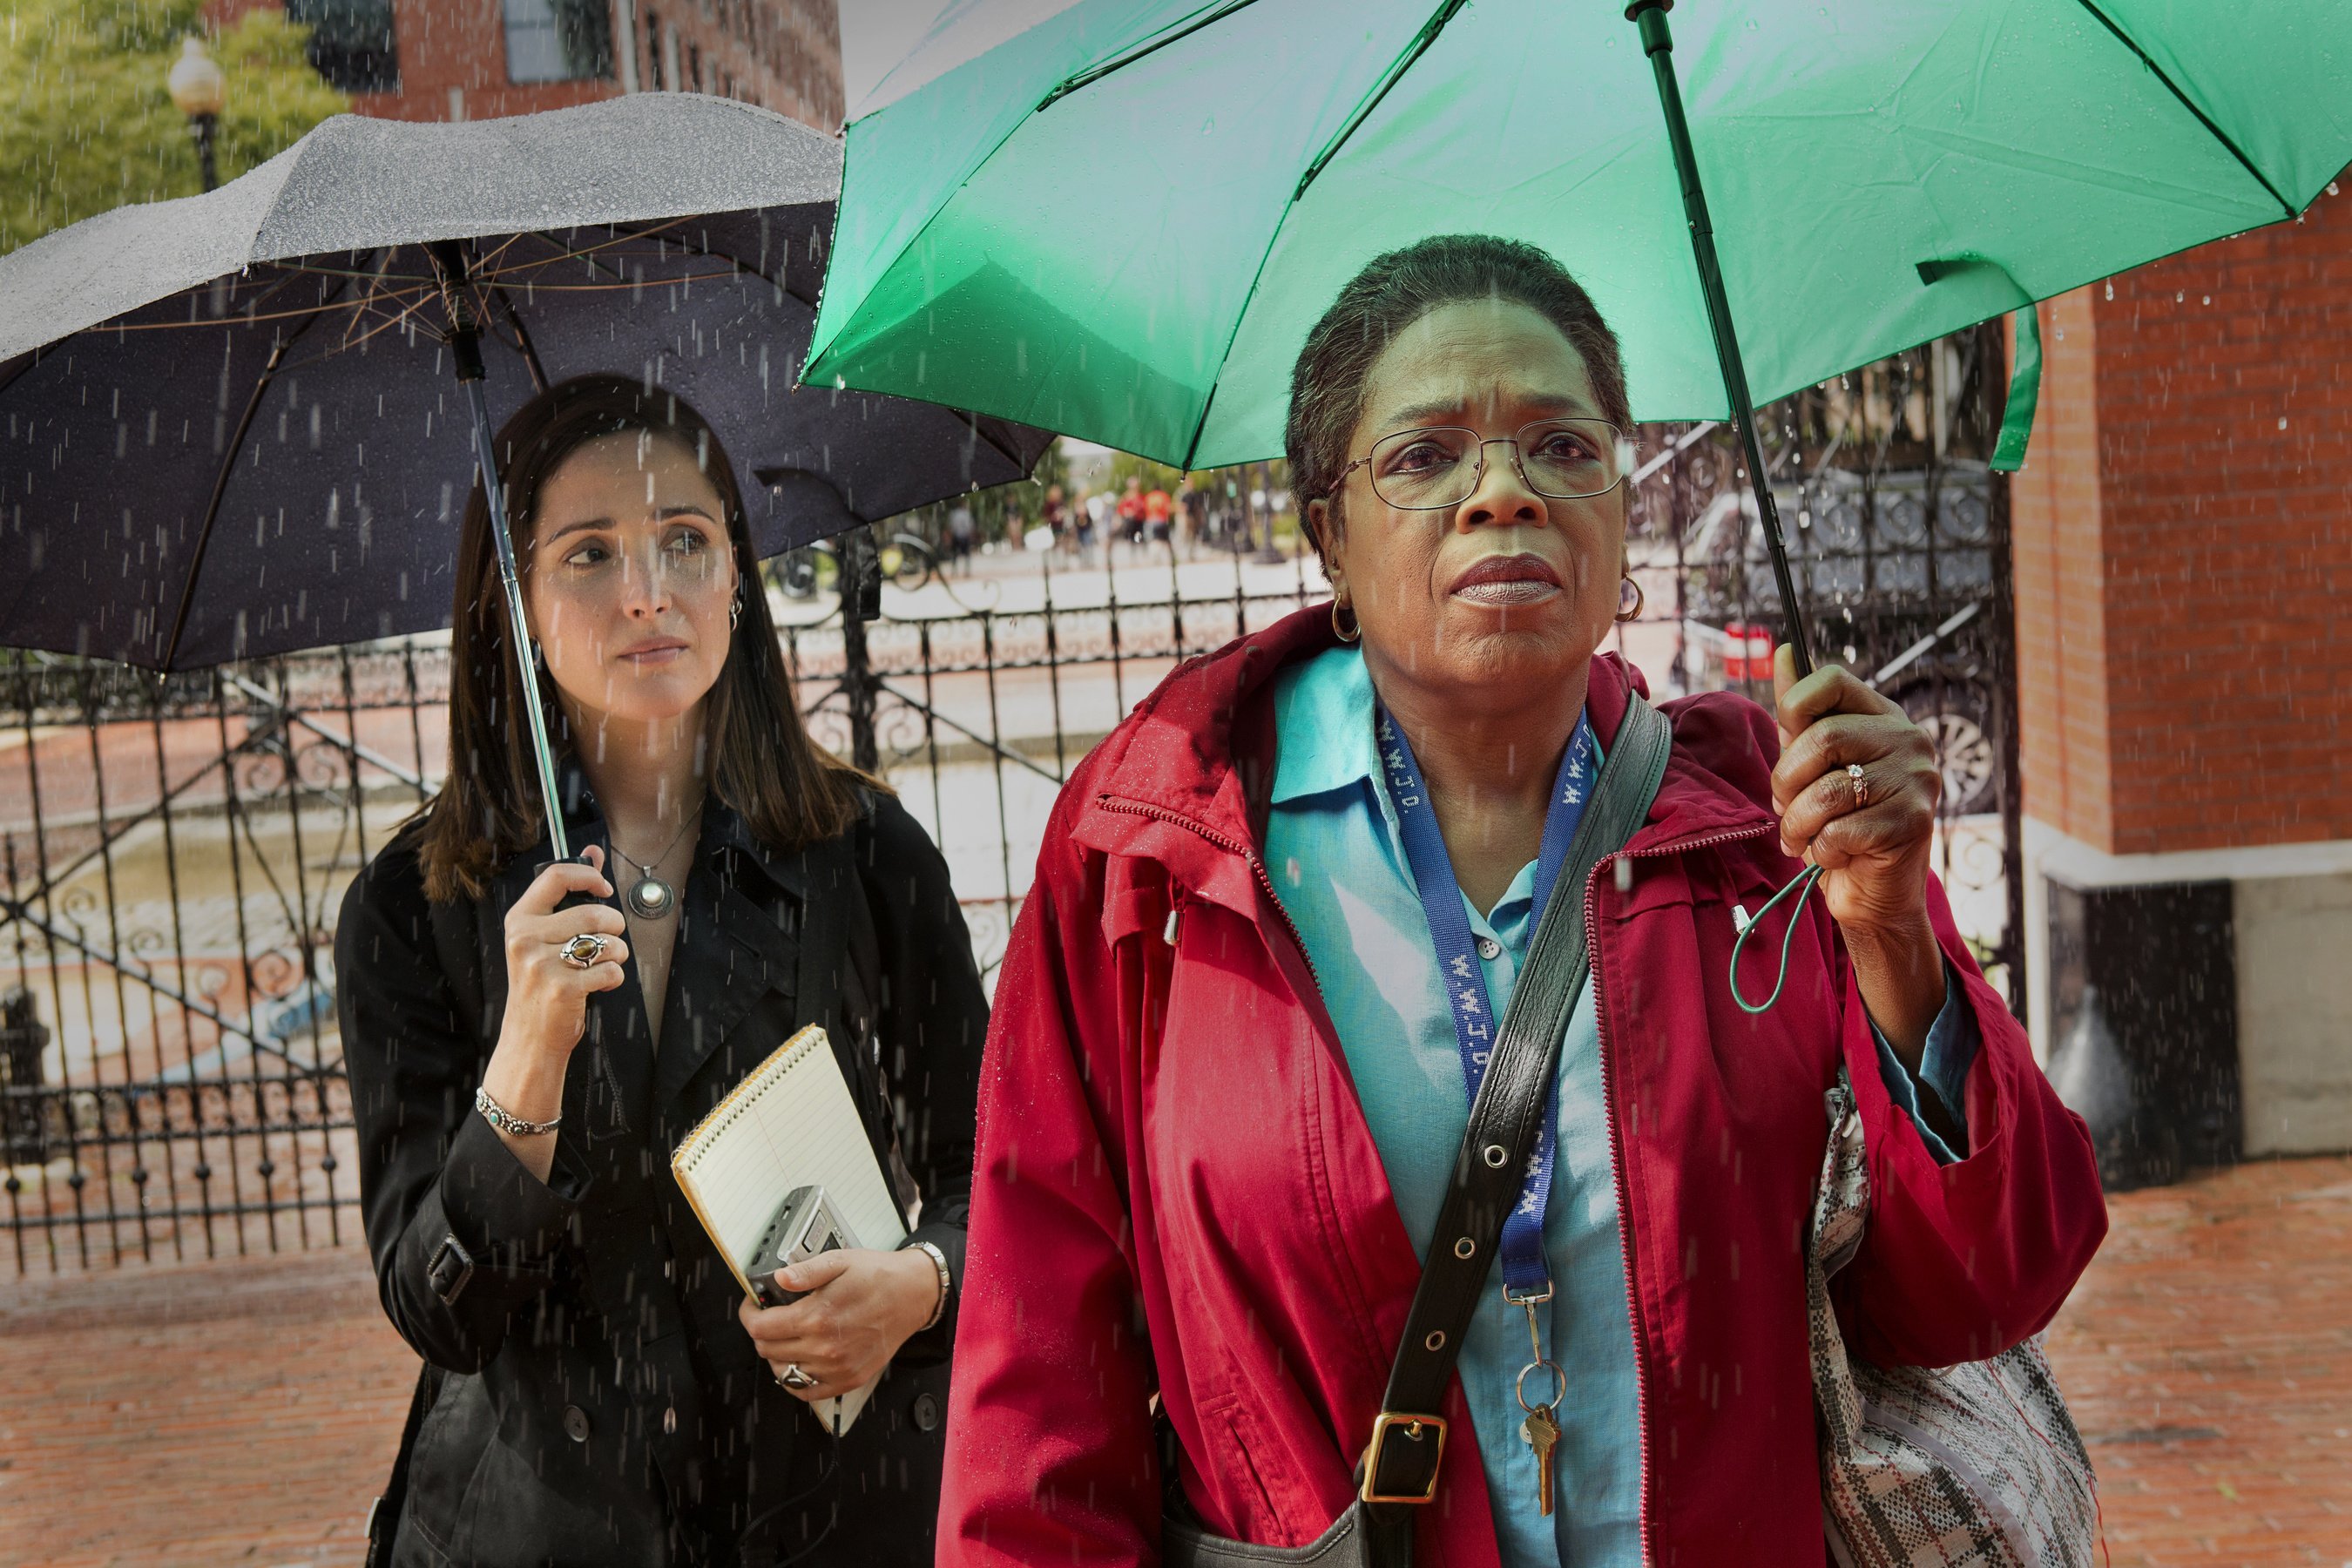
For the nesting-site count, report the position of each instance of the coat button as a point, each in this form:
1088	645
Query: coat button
926	1413
575	1423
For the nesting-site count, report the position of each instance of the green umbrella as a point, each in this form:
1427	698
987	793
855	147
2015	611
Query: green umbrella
1119	219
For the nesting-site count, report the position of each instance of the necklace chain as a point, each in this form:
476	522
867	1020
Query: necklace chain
645	867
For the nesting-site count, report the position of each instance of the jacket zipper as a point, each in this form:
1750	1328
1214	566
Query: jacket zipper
1607	1077
1617	1142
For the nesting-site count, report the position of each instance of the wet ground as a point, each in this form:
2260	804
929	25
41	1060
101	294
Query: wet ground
245	1411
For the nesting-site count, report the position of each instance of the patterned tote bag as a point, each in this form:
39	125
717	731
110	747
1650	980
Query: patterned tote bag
1974	1466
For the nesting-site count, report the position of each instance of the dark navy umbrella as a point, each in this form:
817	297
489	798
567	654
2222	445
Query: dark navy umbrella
247	422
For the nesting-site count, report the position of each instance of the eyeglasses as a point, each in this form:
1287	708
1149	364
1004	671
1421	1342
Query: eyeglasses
1442	466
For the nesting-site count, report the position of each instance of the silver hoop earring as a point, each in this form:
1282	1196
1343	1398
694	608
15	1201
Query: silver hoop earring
735	610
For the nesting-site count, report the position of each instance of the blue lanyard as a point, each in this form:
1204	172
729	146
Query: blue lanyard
1526	1275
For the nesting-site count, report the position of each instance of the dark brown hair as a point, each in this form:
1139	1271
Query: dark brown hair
790	790
1395	290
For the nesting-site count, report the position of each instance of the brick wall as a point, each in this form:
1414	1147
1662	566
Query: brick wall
2060	575
785	54
2184	548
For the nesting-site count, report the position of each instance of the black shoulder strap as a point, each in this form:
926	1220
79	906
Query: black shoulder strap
1400	1465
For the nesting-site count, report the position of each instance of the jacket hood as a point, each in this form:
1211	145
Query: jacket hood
1185	778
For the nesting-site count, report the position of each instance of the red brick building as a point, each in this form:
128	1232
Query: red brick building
2183	568
479	60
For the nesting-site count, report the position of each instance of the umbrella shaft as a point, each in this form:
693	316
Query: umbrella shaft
1658	43
508	579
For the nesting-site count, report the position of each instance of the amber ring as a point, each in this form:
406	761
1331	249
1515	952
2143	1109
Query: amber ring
584	949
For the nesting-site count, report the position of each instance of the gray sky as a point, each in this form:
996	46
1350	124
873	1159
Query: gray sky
875	35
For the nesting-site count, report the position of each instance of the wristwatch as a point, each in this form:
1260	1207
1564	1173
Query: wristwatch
947	1281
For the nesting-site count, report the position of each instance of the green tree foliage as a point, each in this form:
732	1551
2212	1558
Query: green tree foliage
86	123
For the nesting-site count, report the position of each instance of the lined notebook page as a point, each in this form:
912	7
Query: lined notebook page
791	1124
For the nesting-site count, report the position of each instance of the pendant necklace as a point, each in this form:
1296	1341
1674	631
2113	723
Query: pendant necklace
650	898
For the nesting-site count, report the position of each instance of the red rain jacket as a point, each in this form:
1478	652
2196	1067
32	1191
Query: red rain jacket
1177	1192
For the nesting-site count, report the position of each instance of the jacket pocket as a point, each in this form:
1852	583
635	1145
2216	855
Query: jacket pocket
450	1443
1263	1481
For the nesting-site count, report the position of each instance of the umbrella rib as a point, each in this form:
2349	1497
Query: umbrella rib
1176	31
2190	104
522	338
220	488
1413	51
1003	451
1395	73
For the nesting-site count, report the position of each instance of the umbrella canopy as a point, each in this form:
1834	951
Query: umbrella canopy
1120	217
230	426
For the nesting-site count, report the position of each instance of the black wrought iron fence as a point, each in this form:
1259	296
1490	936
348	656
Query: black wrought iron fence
173	854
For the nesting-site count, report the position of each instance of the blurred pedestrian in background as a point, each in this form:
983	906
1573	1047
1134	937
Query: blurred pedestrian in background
959	534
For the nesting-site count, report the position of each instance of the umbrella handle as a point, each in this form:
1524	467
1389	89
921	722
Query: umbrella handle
466	352
1658	43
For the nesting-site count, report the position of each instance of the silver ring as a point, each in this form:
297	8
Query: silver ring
584	949
1860	785
794	1377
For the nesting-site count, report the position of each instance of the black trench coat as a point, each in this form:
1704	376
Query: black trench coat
589	1395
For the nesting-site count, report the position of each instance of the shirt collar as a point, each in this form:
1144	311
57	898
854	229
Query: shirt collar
1323	715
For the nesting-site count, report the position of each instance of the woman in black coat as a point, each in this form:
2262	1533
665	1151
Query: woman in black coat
597	1389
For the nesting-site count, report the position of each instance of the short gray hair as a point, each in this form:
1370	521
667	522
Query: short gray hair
1395	290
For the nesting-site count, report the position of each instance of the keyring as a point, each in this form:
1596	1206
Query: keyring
584	949
1860	784
1559	1386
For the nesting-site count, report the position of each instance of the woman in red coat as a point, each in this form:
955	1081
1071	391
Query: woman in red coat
1220	1089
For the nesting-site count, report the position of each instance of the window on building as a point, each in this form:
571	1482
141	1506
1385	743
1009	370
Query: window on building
351	43
558	40
649	64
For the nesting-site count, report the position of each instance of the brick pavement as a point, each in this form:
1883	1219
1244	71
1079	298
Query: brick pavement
232	1412
2208	1358
243	1413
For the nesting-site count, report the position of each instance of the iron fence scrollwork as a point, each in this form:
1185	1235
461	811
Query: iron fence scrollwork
172	853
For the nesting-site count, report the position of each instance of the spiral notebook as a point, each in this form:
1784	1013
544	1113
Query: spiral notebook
791	1123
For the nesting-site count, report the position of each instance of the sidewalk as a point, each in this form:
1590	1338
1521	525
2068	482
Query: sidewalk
244	1413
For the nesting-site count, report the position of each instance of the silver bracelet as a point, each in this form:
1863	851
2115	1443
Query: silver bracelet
505	1121
947	1282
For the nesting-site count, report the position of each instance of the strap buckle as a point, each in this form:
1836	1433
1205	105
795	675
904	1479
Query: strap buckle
1417	1429
450	1267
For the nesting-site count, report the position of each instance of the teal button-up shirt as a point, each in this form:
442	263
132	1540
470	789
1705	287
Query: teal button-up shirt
1339	868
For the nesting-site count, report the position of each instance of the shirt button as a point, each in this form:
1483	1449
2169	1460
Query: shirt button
575	1423
1489	949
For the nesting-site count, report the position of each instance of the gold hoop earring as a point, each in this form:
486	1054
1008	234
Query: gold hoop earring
1354	633
1635	613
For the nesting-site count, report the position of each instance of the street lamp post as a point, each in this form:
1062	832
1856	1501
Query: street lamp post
196	86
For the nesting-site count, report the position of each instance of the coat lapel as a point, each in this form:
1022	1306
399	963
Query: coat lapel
731	952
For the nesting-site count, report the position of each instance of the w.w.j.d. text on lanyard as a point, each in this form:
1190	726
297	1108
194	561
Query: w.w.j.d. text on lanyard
1526	1276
